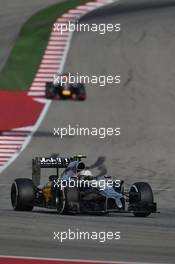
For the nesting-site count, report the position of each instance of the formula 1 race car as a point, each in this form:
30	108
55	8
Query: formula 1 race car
62	88
76	190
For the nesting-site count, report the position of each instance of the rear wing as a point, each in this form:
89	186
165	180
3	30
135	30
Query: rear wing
54	161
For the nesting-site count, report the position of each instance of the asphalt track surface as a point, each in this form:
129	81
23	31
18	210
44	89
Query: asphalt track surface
143	106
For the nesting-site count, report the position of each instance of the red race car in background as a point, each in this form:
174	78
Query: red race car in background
62	88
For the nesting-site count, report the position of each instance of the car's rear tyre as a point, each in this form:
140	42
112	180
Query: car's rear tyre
81	92
146	196
22	194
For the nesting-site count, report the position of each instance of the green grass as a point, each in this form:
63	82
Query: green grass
26	55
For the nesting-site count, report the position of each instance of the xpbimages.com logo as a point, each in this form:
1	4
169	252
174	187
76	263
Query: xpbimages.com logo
101	237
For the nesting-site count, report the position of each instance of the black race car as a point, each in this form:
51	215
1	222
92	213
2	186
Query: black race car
61	88
76	190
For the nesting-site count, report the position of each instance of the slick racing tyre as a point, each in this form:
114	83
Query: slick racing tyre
145	197
80	92
22	194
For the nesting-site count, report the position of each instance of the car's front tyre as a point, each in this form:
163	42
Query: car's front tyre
141	198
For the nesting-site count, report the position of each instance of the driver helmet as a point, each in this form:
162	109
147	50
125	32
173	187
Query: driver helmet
85	174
